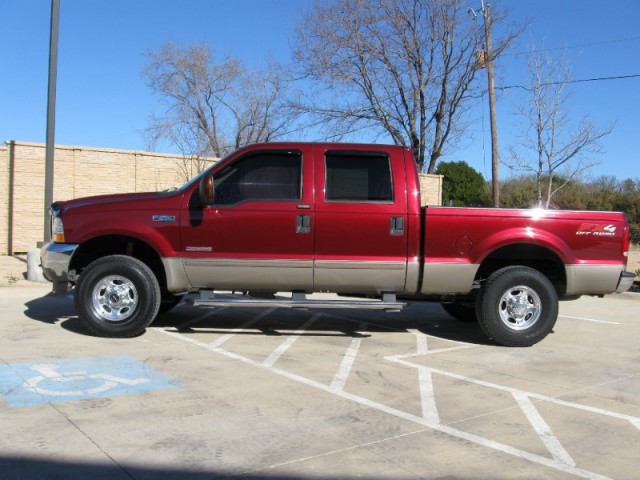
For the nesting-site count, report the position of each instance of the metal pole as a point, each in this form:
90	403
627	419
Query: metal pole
51	115
495	160
11	144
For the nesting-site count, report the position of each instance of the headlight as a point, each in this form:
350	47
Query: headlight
57	230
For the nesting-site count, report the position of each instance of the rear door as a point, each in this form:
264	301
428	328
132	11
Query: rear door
257	235
360	220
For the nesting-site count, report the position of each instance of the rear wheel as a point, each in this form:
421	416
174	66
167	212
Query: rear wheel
117	296
517	307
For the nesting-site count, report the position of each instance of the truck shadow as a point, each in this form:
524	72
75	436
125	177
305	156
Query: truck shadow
429	319
51	309
20	467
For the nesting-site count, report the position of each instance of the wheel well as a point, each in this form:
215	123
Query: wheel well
528	255
119	245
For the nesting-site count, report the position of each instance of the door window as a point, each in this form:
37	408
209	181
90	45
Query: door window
360	177
268	176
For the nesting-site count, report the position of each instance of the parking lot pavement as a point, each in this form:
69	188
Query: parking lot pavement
272	393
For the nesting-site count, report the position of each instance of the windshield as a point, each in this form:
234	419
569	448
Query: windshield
191	182
195	179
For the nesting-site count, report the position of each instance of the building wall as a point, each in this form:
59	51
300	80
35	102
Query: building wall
430	189
85	171
78	172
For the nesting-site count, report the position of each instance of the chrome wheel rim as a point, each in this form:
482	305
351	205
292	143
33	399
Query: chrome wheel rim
520	307
115	298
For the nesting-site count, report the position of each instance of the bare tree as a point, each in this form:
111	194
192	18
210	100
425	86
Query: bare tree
557	146
212	108
403	68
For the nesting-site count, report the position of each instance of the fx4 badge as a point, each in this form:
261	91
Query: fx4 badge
597	230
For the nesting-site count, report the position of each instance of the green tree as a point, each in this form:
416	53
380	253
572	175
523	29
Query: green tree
518	192
628	201
462	185
573	196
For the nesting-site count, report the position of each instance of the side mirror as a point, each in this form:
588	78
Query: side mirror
206	191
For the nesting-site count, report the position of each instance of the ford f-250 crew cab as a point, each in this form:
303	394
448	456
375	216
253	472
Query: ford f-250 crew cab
342	218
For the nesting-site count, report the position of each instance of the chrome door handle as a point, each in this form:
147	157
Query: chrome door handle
303	224
397	226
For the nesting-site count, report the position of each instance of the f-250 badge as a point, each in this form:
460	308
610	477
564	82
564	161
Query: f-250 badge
597	230
164	218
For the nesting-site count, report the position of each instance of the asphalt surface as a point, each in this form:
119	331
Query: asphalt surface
279	394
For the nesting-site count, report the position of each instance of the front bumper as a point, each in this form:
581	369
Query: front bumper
625	282
55	259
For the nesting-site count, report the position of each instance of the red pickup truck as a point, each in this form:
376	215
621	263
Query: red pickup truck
342	218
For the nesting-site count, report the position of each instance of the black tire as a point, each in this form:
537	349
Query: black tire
517	307
462	311
117	296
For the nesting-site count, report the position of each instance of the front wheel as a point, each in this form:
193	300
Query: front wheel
517	306
117	296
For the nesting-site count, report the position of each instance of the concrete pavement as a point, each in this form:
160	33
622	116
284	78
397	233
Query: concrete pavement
265	394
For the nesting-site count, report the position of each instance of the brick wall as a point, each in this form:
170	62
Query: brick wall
78	172
84	171
430	189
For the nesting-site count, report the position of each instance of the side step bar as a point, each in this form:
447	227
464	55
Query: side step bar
209	299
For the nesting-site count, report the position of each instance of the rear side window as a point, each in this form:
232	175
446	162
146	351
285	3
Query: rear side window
358	177
260	177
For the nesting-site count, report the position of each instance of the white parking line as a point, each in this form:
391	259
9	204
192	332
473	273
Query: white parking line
590	320
425	381
543	429
284	346
244	326
485	442
340	378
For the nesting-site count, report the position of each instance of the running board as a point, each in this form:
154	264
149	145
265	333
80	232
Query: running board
208	299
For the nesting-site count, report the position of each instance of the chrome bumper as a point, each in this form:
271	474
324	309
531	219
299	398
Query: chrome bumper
55	259
625	282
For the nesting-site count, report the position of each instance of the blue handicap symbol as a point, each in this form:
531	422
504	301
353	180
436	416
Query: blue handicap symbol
39	383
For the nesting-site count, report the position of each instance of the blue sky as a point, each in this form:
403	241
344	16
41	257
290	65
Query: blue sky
103	100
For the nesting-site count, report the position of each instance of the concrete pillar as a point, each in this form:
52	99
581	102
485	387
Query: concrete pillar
34	270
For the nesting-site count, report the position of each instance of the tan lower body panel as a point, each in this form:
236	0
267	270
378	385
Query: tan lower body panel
367	277
287	275
250	274
592	279
452	278
448	278
357	277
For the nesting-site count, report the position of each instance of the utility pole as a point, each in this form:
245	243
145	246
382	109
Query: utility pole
487	61
51	115
495	160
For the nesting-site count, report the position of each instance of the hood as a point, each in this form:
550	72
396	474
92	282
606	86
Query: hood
116	200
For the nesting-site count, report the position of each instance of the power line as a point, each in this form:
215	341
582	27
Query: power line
584	45
584	80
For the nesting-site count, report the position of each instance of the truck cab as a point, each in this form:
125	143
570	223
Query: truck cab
309	217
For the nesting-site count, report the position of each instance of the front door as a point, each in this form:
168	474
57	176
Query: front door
257	234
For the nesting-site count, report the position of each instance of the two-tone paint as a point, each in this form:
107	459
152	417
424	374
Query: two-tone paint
313	244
